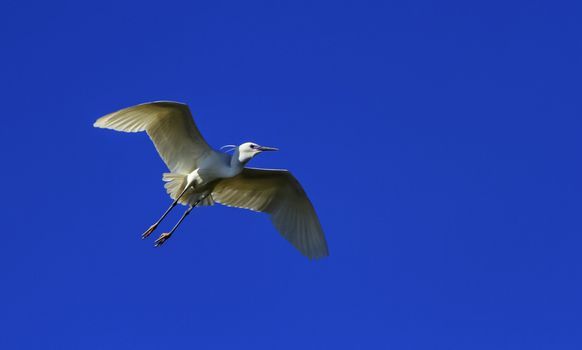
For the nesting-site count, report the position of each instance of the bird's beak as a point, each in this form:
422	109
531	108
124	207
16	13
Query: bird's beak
265	148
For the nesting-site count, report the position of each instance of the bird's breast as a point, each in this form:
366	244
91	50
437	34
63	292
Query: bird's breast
214	169
219	172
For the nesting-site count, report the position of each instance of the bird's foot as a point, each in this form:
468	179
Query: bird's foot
162	239
149	231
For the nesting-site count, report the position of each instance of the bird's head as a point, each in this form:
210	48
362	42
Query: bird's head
248	150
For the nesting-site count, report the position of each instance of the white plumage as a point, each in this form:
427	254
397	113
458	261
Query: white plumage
200	175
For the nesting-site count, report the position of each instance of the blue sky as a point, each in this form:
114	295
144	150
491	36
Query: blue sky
439	142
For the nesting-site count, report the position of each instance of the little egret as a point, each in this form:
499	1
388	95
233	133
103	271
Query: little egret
200	175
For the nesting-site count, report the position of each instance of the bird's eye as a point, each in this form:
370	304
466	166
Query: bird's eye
253	146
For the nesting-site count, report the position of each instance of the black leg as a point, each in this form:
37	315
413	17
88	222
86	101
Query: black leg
155	225
164	236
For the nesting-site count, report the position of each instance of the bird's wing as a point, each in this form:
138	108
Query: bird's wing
171	128
278	193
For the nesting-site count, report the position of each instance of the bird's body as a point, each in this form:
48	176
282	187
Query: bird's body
200	175
213	167
218	165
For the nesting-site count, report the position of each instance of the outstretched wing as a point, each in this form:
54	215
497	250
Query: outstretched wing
171	128
278	193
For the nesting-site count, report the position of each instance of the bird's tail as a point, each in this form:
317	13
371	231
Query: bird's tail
175	184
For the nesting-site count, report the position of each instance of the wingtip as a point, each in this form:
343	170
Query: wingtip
101	122
98	123
161	102
318	255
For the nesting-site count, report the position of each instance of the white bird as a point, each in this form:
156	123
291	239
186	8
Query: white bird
200	175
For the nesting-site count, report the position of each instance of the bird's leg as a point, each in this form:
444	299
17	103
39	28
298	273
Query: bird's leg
164	236
155	225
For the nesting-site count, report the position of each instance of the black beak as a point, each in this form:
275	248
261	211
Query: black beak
265	148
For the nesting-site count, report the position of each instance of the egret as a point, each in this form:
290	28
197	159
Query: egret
201	176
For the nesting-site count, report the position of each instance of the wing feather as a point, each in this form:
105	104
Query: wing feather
279	194
170	127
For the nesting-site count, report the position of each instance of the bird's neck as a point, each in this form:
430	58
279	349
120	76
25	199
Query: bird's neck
237	162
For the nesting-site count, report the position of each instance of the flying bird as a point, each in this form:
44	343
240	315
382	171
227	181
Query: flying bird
201	176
